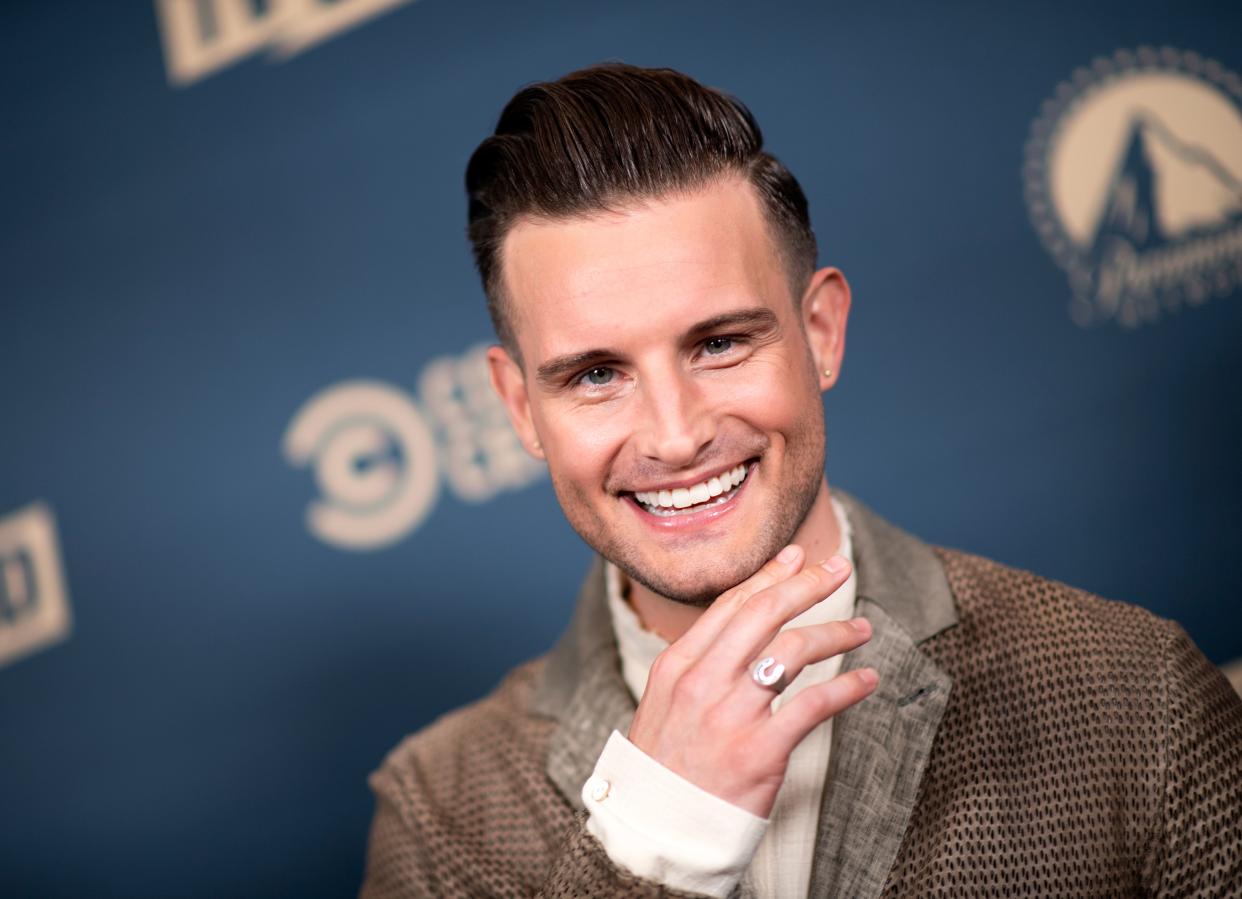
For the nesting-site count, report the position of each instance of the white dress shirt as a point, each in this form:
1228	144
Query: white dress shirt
658	825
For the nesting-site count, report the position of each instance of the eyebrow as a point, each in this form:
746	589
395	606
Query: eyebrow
552	372
757	319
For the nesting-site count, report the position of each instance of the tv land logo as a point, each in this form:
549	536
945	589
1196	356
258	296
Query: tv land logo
201	37
1134	181
379	455
34	605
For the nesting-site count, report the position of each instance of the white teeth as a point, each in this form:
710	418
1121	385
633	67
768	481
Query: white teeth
685	497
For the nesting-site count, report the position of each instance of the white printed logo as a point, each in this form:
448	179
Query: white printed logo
378	455
34	606
1134	181
203	36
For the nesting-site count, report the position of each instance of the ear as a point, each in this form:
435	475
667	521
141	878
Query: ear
825	309
510	385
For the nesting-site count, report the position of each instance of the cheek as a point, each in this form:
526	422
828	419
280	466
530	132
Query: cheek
581	447
772	398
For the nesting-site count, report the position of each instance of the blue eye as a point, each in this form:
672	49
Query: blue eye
717	345
598	377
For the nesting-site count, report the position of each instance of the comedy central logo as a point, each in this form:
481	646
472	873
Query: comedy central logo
373	457
1134	181
378	454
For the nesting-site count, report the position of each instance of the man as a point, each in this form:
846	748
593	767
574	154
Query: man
766	689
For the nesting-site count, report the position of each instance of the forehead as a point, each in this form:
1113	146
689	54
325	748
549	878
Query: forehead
649	270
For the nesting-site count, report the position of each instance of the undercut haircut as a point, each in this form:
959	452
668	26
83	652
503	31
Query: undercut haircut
601	137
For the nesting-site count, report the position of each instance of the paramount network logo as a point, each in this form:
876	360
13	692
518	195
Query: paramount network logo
378	455
1134	181
34	608
203	36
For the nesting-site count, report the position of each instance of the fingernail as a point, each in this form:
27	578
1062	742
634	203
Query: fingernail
862	625
868	676
787	555
836	564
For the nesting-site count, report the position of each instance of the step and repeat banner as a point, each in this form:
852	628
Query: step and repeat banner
260	513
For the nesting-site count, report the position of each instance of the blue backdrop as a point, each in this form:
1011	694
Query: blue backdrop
192	269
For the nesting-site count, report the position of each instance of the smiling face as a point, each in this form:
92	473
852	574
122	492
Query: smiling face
672	383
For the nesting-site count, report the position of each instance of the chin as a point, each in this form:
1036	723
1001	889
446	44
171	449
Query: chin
699	592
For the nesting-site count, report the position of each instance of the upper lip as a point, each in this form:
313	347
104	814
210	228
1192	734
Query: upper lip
689	481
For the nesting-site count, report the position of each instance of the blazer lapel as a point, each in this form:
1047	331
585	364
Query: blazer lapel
583	689
879	750
880	746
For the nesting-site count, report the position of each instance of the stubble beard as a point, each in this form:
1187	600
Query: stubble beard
789	508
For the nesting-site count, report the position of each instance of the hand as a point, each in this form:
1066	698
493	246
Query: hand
704	717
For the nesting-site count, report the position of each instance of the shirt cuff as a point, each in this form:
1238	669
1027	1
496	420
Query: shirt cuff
660	826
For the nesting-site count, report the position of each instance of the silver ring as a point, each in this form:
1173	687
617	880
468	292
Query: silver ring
769	673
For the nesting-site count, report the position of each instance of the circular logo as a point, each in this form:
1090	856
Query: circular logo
374	459
1133	180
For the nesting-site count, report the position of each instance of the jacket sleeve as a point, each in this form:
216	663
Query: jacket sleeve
1199	852
505	836
583	868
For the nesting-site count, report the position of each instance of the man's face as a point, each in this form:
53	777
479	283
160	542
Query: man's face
664	359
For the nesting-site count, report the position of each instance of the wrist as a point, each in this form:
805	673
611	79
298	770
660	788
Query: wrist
658	825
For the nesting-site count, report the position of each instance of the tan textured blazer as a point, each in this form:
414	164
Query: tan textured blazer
1026	739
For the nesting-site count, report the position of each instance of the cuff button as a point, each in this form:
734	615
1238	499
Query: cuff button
598	790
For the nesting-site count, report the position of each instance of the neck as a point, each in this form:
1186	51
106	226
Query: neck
818	535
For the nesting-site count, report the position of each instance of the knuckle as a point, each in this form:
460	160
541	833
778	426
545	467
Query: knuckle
769	603
843	633
771	571
814	575
666	665
821	703
690	688
852	636
757	582
793	644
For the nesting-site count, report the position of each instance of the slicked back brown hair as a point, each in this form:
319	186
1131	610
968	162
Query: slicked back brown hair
601	136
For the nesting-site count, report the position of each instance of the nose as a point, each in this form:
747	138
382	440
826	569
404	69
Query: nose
677	420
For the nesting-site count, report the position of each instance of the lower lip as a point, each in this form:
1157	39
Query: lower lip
687	521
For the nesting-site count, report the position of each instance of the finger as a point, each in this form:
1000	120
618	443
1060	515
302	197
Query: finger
700	635
757	622
816	704
798	647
